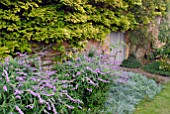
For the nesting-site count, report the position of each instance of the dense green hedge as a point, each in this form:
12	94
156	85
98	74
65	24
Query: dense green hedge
74	21
131	62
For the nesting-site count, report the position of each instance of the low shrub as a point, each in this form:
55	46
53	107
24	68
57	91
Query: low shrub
87	78
154	67
131	62
123	97
27	89
77	86
164	63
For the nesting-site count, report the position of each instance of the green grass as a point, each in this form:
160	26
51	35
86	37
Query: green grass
159	105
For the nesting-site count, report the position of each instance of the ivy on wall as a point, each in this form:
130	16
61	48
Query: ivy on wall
72	21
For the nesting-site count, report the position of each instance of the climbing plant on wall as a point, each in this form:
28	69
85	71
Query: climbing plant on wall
147	14
162	53
72	21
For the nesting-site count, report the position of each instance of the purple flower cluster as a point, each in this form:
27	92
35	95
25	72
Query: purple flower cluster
53	87
96	71
18	92
86	73
87	58
26	81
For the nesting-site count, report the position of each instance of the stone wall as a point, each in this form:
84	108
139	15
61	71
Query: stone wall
99	46
141	51
47	54
154	29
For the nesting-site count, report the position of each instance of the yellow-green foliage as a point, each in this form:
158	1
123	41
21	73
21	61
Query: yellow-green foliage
164	64
74	21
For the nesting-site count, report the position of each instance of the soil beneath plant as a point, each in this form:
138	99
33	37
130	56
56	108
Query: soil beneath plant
158	78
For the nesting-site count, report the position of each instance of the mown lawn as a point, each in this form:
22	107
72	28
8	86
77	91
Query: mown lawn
159	105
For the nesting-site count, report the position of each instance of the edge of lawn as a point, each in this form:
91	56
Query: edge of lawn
159	105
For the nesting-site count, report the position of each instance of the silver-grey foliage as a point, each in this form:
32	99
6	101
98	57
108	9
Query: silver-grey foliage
123	98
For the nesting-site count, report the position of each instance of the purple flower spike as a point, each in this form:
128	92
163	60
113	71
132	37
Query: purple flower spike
19	110
41	101
49	95
4	88
65	85
78	73
64	91
74	100
104	81
30	106
80	107
70	107
77	86
48	105
18	92
20	78
88	68
91	82
33	93
97	70
90	90
87	58
6	76
21	54
49	73
7	59
54	109
18	97
66	81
